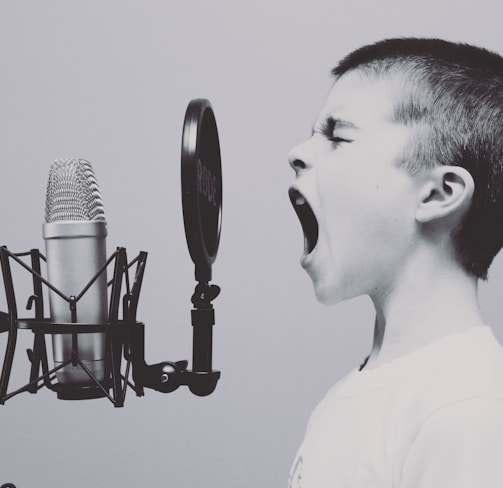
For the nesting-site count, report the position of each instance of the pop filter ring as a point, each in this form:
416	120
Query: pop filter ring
201	176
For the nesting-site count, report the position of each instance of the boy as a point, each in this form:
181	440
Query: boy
399	193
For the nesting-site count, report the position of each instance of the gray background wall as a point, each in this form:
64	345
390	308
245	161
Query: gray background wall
109	81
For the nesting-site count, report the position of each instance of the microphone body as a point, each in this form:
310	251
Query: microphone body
75	252
75	239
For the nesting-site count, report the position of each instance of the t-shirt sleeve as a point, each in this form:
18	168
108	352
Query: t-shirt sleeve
459	445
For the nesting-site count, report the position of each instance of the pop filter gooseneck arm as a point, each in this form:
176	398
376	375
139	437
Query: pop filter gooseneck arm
201	181
201	178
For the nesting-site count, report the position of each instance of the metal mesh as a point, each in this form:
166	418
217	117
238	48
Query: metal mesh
73	192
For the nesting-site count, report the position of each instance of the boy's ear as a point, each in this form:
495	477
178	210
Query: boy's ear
446	192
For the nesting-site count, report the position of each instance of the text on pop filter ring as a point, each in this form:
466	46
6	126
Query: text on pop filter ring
206	184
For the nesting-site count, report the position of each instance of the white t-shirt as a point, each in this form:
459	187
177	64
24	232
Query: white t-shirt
431	419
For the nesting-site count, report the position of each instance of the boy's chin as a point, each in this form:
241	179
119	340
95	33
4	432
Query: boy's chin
327	295
332	291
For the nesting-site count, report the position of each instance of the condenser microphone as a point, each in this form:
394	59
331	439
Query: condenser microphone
75	232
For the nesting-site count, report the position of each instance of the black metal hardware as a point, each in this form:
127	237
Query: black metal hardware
125	337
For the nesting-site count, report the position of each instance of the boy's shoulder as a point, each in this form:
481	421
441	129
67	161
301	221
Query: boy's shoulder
469	364
456	415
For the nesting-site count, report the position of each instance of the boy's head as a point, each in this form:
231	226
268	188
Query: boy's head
400	109
451	95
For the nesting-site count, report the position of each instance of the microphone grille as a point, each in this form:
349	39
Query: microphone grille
73	192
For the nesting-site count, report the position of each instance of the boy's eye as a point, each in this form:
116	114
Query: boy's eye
330	127
330	137
337	140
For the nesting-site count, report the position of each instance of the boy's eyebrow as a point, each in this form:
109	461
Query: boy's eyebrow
327	126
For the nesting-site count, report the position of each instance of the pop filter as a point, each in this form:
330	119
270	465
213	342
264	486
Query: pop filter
201	172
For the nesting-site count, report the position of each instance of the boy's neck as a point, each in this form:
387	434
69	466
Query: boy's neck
430	301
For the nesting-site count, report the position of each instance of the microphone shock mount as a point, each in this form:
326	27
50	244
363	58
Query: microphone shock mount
125	337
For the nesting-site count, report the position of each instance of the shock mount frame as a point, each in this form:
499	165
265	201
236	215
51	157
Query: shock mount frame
125	337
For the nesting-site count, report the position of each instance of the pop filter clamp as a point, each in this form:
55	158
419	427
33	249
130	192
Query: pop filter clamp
201	178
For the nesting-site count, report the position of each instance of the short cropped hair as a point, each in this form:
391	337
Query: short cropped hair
452	96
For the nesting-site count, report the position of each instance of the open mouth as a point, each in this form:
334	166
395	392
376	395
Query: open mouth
307	219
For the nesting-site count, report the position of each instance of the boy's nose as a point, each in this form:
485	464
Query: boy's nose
300	157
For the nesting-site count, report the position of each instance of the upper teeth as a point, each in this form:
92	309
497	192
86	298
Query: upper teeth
300	200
